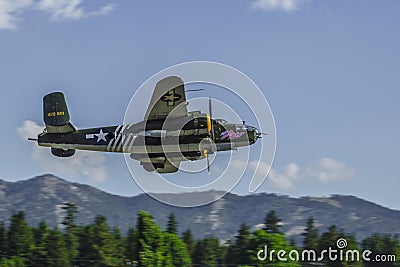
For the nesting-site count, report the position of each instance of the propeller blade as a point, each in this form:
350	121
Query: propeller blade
205	153
194	90
211	117
210	106
208	165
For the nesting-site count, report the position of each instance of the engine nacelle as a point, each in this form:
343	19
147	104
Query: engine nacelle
148	166
62	153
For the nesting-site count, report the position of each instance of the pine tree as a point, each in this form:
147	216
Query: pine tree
329	239
71	210
70	234
149	241
310	235
242	243
12	262
310	240
99	246
382	244
88	256
273	241
39	255
187	237
172	225
175	252
56	250
352	245
237	252
108	251
207	252
3	240
20	238
131	244
119	240
49	248
272	223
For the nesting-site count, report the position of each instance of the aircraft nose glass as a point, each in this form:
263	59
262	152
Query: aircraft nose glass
255	131
256	134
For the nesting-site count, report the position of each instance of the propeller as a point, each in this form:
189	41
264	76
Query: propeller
210	128
259	135
208	161
194	90
212	135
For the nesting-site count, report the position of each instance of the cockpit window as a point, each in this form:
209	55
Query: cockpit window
201	122
241	127
218	128
221	121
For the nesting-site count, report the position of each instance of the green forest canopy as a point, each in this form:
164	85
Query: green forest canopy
147	244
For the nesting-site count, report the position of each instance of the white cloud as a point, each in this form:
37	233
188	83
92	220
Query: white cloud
29	129
11	10
325	170
278	180
70	9
286	178
278	5
329	170
105	10
86	163
238	164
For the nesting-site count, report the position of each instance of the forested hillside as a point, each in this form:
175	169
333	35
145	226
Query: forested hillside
148	244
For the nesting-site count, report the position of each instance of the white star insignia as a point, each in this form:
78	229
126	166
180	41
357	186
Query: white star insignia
101	136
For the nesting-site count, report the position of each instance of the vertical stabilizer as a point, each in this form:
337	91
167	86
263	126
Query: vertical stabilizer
55	114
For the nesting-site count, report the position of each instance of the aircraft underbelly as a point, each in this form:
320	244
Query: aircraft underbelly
101	148
157	149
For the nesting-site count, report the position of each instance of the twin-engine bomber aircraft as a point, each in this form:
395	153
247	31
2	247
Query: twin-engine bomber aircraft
168	134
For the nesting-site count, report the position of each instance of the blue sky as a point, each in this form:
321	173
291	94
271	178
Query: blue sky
329	69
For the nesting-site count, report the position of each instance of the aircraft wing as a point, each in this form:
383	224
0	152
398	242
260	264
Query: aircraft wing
169	167
169	95
161	165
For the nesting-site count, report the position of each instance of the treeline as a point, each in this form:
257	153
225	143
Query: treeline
147	244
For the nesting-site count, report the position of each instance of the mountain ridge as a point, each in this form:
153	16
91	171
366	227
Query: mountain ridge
42	197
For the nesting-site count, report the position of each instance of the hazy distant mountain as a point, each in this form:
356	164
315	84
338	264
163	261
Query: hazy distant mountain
42	197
